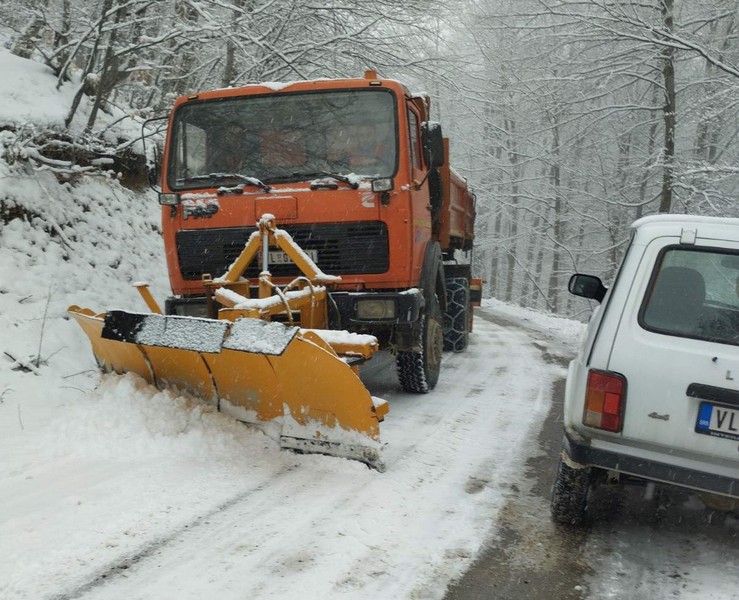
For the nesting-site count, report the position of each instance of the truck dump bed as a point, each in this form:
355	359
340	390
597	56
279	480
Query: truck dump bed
457	215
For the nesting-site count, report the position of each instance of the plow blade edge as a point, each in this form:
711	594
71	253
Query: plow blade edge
254	370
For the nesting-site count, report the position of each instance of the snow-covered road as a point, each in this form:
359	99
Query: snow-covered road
127	492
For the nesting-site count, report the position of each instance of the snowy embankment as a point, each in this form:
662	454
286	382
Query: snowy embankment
68	245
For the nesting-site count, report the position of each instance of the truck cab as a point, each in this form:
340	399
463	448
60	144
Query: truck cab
354	171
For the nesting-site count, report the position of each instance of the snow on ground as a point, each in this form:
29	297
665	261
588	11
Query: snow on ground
105	479
109	488
33	97
126	479
112	489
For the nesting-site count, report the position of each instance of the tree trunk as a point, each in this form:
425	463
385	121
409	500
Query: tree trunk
528	293
90	64
187	16
109	69
669	112
645	177
495	261
512	144
556	179
61	37
26	42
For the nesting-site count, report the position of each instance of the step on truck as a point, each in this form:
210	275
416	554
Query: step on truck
357	173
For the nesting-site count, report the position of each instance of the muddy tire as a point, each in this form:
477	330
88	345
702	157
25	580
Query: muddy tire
570	494
457	316
418	372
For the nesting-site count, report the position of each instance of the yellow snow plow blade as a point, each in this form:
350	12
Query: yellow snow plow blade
251	367
255	370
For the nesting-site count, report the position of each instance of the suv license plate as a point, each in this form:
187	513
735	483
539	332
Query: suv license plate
276	257
719	421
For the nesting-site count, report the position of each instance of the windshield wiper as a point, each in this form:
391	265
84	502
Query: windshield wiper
353	183
303	176
245	179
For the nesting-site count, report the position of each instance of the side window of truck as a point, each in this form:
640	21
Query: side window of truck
694	293
190	151
414	139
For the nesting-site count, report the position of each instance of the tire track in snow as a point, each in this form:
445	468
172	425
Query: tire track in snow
240	548
118	568
434	416
443	448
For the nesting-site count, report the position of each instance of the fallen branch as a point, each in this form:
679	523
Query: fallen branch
19	365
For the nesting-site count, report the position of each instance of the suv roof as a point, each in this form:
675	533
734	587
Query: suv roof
671	224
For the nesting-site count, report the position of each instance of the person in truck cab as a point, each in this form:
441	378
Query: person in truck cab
236	152
370	149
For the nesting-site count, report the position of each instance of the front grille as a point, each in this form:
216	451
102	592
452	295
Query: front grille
343	249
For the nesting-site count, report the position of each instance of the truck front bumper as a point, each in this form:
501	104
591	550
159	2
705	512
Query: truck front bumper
347	310
650	469
365	309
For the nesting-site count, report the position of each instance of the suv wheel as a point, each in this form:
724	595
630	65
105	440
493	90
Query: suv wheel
570	493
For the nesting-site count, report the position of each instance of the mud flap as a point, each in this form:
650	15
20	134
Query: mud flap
255	370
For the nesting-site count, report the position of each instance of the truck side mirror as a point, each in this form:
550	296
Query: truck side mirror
433	144
587	286
152	158
152	172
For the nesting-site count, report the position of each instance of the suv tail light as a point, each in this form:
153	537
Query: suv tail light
605	397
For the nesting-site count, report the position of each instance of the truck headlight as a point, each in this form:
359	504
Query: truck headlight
169	199
384	184
372	310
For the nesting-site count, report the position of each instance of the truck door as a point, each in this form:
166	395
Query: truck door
420	202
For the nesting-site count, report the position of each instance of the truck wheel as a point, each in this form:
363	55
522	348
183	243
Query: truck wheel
456	318
570	494
418	372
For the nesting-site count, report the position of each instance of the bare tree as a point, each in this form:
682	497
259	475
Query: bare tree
622	109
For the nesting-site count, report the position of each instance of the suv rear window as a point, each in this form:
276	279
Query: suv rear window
694	293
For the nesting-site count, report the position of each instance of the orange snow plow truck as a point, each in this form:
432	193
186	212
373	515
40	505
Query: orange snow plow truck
306	225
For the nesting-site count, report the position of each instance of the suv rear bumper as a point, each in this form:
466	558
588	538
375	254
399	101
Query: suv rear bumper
649	469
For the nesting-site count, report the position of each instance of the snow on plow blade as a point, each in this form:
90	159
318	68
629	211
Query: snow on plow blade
257	371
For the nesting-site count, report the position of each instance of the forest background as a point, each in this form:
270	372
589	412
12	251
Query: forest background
570	118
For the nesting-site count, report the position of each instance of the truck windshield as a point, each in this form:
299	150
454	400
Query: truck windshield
284	137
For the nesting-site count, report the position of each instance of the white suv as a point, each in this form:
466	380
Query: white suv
654	391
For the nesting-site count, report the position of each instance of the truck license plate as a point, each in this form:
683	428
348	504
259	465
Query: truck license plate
277	257
719	421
